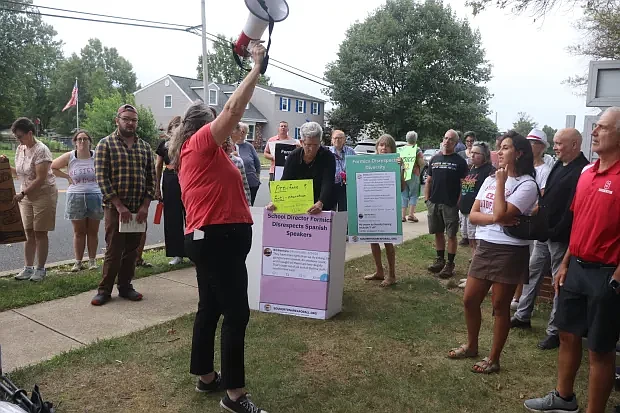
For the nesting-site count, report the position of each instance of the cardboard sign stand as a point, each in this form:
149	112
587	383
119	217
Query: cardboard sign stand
11	227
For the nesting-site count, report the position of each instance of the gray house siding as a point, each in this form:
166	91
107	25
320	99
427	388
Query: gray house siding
154	95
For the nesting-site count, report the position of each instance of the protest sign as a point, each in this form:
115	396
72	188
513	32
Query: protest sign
281	150
292	197
11	227
373	198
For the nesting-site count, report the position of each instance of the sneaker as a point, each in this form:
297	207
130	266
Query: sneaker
215	385
447	271
100	299
437	265
516	323
142	263
25	274
550	342
39	275
552	403
464	242
76	267
92	264
514	304
131	295
241	405
176	261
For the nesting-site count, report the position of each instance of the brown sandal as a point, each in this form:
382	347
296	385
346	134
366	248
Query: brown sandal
461	352
388	282
374	277
485	366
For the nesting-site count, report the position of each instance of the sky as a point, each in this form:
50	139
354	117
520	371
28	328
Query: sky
528	56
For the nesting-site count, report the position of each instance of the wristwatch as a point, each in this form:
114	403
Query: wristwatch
613	283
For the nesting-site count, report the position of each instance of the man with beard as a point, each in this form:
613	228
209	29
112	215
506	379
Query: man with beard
126	175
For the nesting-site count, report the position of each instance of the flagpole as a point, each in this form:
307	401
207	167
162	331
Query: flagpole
77	105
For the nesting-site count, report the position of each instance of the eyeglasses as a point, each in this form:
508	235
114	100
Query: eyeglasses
129	120
82	140
469	141
475	153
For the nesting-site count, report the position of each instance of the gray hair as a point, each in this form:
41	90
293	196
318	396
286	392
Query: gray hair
244	128
412	137
616	110
311	130
484	148
454	133
196	116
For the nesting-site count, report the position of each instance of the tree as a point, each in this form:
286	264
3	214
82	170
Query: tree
28	56
100	115
524	124
411	66
100	72
222	66
550	132
340	118
538	8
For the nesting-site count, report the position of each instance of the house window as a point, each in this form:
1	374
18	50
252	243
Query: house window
167	101
316	108
285	104
212	97
300	106
297	133
251	129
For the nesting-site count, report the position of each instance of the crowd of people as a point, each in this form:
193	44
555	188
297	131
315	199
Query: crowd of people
208	176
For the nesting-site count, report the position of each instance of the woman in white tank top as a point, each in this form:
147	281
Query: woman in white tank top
84	200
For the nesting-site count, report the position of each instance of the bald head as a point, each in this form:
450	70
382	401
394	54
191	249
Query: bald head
567	144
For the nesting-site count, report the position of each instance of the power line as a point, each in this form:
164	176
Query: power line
177	27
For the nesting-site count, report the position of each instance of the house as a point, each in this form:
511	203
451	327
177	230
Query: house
171	95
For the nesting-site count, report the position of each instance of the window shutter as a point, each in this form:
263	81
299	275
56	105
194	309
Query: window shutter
318	108
281	103
304	106
289	104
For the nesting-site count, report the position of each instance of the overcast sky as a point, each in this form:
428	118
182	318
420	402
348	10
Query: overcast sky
529	57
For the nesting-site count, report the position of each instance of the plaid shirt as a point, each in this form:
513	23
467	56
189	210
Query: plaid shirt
128	174
239	164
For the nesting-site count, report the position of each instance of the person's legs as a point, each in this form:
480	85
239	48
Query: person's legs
115	245
42	247
79	238
30	248
600	380
437	227
92	234
502	294
404	198
140	248
475	292
173	217
557	250
253	192
539	266
127	269
376	255
569	360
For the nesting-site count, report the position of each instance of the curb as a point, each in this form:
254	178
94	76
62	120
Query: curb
8	273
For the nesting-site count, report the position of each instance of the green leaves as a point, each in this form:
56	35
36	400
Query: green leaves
411	66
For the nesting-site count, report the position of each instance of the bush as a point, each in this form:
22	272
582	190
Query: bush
54	146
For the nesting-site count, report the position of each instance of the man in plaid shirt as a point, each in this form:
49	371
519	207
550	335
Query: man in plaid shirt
126	175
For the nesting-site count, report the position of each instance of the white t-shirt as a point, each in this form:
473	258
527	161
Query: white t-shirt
524	198
542	173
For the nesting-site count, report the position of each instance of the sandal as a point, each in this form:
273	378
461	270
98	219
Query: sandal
412	218
404	219
373	277
388	281
485	366
461	352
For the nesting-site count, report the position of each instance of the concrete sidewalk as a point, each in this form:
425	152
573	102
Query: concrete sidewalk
35	333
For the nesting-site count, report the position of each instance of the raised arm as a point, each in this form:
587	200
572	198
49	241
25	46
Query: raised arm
234	108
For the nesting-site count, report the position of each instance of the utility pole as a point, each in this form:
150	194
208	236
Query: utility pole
205	69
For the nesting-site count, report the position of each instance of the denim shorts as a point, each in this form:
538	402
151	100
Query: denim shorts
81	206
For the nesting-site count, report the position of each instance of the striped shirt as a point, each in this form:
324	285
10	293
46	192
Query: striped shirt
239	164
341	165
123	172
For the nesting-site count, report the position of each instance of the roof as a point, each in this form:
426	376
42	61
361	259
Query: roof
186	84
289	93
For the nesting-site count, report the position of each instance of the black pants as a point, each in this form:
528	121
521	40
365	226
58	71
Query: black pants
339	194
174	215
253	192
223	290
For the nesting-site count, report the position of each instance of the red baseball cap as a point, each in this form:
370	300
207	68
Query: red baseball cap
126	108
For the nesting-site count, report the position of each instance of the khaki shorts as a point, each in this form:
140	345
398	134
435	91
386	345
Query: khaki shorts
468	230
38	210
442	218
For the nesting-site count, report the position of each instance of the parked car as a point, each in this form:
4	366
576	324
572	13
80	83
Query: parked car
428	155
367	147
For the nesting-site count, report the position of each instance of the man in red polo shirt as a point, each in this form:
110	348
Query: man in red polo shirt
588	281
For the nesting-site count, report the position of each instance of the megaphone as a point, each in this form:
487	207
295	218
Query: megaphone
262	12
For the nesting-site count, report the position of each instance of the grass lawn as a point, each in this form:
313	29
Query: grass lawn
263	161
11	155
385	352
61	283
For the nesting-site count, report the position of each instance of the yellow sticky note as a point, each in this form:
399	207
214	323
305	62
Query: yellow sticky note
292	197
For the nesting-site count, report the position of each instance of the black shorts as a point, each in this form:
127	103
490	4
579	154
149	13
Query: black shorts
589	307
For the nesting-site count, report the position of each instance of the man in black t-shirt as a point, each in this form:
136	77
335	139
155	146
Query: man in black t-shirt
441	193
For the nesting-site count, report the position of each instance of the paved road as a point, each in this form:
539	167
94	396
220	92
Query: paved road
61	240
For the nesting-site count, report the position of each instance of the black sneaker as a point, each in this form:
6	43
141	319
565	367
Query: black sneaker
214	386
241	405
550	342
437	265
100	299
464	242
516	323
447	271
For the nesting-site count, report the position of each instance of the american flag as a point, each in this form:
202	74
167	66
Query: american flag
74	97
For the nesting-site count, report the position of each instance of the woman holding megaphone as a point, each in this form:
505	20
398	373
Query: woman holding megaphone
218	237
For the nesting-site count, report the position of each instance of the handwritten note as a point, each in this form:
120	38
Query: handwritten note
292	197
131	226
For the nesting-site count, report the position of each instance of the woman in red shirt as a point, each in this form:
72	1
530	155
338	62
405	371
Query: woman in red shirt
218	236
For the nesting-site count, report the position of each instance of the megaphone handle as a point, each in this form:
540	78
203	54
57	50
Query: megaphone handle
266	59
